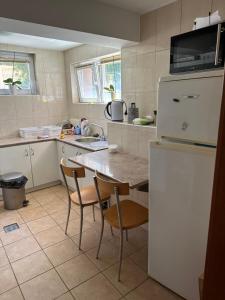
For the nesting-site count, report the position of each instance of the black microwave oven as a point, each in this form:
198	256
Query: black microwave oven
198	50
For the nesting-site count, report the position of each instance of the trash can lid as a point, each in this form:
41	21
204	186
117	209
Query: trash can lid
10	176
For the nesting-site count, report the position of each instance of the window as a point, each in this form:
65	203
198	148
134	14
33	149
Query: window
17	66
92	79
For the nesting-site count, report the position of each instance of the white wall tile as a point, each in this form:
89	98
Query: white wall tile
26	111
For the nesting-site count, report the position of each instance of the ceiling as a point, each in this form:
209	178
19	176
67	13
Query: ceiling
138	6
35	41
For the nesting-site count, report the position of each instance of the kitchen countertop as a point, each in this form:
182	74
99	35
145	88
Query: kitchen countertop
69	139
120	166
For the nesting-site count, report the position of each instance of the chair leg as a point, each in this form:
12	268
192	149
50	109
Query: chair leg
126	235
93	211
100	240
121	253
111	230
81	226
68	216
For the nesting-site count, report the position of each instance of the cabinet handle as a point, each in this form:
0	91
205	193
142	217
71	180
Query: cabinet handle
63	150
26	153
31	151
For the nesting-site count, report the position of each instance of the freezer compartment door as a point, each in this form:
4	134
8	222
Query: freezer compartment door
181	180
190	109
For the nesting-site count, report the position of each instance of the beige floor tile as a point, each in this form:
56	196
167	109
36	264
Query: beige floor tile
32	204
33	213
57	188
14	294
3	258
47	286
50	236
138	237
76	271
21	248
62	193
90	239
109	253
97	288
15	235
7	279
61	252
141	258
47	198
131	276
74	227
41	224
151	290
66	296
61	216
55	207
9	217
31	266
42	192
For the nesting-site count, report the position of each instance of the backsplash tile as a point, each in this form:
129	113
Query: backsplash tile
48	107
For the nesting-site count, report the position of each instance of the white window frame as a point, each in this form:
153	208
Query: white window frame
21	57
96	65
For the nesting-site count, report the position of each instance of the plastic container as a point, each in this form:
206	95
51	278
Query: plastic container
31	132
52	131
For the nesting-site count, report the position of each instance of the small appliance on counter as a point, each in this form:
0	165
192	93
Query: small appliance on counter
114	110
133	113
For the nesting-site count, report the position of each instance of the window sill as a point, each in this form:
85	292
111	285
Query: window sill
87	103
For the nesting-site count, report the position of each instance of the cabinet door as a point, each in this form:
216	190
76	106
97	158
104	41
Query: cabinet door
88	180
71	151
16	159
61	154
44	162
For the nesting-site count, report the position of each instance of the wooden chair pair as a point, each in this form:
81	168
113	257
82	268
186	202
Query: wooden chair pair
123	215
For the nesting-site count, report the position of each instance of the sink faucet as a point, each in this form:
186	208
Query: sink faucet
102	136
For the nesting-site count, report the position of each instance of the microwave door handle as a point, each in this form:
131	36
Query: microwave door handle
218	44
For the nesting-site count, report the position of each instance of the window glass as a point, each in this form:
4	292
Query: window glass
111	75
93	78
18	67
87	84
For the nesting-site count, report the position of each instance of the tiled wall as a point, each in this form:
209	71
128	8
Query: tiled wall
94	112
48	107
131	138
144	64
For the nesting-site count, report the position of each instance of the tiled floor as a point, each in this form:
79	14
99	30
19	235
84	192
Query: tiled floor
38	261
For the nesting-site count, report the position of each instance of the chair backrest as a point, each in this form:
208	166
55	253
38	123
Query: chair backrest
112	187
74	172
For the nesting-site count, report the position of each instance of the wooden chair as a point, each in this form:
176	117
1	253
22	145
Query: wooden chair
84	197
123	215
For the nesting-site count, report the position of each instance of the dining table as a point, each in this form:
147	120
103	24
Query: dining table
119	166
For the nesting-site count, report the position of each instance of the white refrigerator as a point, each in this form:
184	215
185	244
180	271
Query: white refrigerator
181	179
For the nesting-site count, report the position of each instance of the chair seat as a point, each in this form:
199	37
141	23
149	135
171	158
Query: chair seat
132	214
88	196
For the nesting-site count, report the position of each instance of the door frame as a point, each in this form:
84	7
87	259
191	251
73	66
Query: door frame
214	276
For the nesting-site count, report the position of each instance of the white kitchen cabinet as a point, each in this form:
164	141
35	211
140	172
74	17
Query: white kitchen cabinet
44	162
16	159
66	151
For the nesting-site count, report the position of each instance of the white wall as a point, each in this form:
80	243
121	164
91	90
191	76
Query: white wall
78	15
48	107
144	64
94	112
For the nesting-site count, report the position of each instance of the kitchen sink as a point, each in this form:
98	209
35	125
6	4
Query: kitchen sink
88	140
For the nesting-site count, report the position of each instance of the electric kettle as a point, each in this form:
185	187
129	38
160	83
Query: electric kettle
114	110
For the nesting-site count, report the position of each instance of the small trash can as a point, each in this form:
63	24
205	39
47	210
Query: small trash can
13	190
